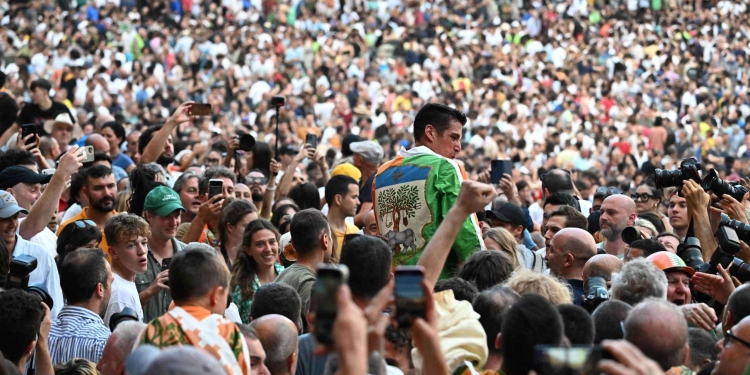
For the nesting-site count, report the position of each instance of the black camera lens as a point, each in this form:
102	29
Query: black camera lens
247	142
596	293
123	316
720	187
688	170
740	270
630	235
40	291
742	229
690	252
664	178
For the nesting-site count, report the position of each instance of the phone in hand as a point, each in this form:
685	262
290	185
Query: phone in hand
27	129
165	266
327	284
410	297
573	360
49	171
500	168
199	109
312	140
88	154
215	187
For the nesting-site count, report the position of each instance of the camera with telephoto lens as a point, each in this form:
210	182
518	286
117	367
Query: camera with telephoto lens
713	183
674	178
729	245
596	293
18	278
247	142
127	314
630	235
690	252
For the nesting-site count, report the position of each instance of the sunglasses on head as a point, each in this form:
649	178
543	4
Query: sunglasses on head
608	190
84	223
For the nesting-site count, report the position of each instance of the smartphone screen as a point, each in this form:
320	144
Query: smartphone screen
27	129
215	187
329	279
557	360
500	168
409	295
199	109
312	140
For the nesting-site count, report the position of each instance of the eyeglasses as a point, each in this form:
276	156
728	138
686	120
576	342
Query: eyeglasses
256	180
729	337
641	197
84	223
608	190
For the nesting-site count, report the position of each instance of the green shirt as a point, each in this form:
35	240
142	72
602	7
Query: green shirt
244	305
158	304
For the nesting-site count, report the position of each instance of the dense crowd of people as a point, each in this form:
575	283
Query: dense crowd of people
178	178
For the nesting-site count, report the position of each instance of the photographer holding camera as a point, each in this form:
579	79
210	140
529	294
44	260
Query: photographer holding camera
24	330
34	265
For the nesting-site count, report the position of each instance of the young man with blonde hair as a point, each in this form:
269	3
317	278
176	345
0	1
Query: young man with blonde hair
128	246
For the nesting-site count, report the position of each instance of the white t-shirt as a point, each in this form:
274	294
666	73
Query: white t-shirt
46	238
45	272
124	294
72	211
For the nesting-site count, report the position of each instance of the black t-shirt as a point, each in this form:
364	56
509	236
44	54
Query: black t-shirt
9	111
32	114
365	192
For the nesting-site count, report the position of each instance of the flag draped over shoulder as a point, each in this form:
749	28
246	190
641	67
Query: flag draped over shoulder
411	196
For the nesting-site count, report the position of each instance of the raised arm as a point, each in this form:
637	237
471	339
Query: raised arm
286	180
472	197
266	208
156	146
46	206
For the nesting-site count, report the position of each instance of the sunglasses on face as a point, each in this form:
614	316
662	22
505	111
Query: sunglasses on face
256	180
641	197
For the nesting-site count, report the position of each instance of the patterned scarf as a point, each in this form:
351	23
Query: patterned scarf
198	327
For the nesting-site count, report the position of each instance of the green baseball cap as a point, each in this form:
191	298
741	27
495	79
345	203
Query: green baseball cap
163	201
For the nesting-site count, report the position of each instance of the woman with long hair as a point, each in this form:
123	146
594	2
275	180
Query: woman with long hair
235	216
647	199
500	239
142	181
256	265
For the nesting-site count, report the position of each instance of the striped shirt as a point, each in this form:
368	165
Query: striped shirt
77	333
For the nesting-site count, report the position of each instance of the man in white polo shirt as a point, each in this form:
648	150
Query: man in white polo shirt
46	271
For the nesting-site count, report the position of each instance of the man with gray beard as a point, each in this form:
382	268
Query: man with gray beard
618	212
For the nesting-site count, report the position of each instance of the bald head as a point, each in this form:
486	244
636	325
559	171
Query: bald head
576	241
601	265
665	339
100	143
278	335
101	120
623	201
371	227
